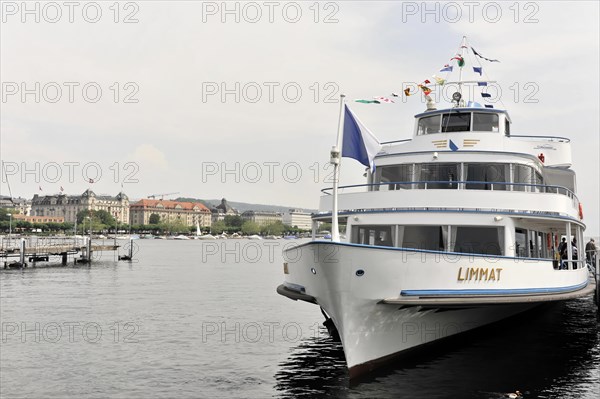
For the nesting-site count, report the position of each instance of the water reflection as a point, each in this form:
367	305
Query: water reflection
316	368
553	351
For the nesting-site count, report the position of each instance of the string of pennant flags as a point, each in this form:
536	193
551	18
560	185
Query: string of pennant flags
425	88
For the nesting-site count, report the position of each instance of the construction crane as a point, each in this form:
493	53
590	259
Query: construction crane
162	196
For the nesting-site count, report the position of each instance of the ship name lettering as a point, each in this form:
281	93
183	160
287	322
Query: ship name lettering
479	274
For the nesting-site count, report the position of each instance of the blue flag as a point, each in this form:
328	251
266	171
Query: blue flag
489	106
481	83
446	68
478	70
358	142
486	95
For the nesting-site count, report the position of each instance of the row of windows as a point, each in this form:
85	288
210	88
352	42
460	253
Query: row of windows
481	173
461	122
465	239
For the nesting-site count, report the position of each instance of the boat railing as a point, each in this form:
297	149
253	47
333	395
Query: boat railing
395	141
543	138
460	185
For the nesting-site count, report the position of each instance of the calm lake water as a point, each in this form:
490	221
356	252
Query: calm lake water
198	319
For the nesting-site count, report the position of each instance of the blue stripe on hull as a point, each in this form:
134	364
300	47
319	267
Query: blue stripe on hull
517	291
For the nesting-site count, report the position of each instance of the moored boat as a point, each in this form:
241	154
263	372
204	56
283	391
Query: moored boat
461	226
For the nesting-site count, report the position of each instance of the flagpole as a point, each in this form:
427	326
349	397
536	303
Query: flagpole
335	161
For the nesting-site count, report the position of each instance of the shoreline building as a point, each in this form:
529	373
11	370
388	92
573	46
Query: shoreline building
261	218
223	209
67	206
187	213
39	219
298	218
22	205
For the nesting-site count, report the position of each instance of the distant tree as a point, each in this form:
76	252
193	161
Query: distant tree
22	224
218	227
104	217
154	218
276	228
249	227
234	221
82	214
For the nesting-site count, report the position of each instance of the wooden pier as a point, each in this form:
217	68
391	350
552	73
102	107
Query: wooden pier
17	253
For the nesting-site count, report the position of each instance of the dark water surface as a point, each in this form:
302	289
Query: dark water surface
193	319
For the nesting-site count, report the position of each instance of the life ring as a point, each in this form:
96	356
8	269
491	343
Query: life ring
580	211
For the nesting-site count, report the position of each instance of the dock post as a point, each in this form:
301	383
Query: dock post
89	249
22	253
64	258
130	248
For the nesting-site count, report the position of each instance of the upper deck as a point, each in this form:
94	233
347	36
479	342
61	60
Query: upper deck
478	130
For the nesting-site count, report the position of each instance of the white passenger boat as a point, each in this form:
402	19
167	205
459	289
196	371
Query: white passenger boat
457	228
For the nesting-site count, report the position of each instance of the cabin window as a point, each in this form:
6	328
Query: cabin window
373	235
440	173
478	240
483	174
506	127
394	174
424	237
485	122
522	174
521	243
456	122
428	125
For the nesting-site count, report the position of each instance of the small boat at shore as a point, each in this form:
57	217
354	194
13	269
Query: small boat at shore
207	237
181	237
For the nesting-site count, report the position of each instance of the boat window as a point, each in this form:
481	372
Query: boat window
486	173
428	125
424	237
395	173
522	174
456	122
521	243
538	180
485	122
506	127
439	173
479	240
373	235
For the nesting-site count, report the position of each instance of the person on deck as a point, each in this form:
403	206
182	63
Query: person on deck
590	251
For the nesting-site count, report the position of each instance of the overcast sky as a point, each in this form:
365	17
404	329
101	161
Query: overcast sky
163	124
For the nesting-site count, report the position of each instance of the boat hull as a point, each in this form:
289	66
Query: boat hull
385	301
